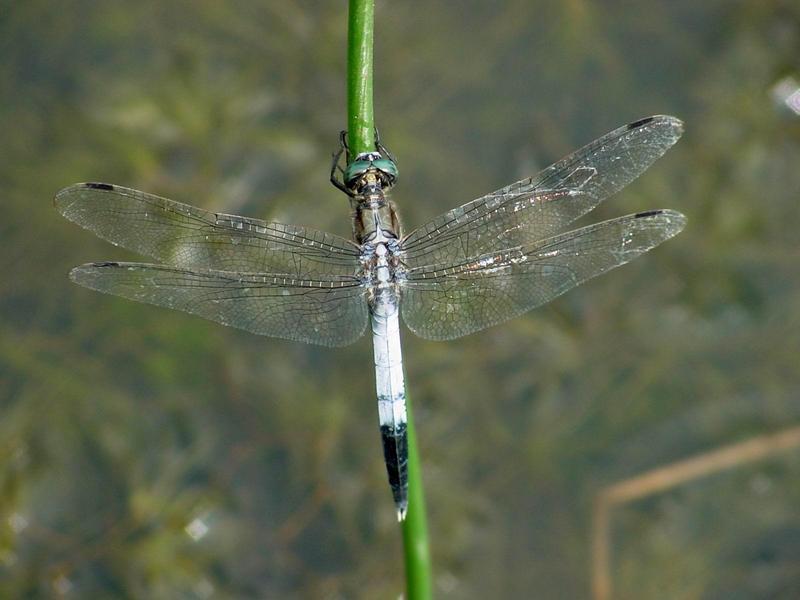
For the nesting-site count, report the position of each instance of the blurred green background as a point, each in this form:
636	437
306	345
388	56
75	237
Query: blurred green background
150	454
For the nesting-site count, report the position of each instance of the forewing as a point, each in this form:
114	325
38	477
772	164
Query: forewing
325	310
447	301
538	207
187	236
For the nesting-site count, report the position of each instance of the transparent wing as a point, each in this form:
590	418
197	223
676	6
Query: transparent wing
326	310
187	236
447	301
538	207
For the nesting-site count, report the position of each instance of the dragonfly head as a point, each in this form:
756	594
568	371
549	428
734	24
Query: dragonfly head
365	163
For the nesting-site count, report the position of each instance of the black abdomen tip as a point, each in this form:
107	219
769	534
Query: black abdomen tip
99	186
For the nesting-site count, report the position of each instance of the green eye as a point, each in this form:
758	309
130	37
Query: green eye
365	162
356	169
386	166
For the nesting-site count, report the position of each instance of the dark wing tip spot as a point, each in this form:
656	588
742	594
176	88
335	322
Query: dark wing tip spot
105	264
648	213
98	186
640	122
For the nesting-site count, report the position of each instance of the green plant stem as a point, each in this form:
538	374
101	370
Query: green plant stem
361	137
360	115
415	527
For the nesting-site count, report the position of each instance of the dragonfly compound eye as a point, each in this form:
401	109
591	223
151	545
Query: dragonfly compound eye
355	170
387	167
370	160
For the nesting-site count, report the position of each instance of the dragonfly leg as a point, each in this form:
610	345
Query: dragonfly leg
383	149
336	170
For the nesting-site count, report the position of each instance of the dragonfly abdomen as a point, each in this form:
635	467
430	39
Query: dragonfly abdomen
390	386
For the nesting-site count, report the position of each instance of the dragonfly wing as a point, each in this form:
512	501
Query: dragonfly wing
187	236
538	207
324	310
447	301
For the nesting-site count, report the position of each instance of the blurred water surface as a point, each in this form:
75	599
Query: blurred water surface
150	454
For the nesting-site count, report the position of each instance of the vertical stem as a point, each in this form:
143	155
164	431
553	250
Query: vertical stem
360	116
361	136
415	527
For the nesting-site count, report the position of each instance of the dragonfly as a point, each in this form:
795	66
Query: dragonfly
475	266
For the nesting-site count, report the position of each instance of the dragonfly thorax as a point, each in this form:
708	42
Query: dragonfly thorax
375	219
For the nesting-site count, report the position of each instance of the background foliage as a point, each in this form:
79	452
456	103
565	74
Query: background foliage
148	454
